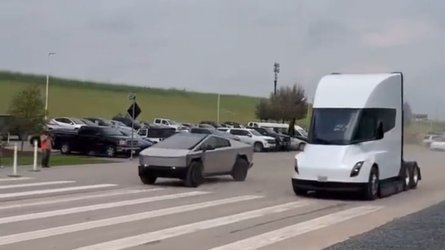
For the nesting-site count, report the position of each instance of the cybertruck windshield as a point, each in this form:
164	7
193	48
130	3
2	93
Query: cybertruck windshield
333	126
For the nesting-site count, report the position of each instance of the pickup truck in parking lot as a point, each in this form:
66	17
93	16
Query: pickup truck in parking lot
250	136
103	140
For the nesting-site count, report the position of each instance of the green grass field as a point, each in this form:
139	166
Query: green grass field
55	160
82	99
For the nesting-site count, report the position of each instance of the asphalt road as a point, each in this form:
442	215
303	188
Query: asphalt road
106	207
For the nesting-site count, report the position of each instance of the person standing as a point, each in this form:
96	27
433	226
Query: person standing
46	143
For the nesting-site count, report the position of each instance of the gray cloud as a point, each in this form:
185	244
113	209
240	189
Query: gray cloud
227	46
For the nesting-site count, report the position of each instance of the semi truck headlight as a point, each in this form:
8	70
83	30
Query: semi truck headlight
356	169
296	166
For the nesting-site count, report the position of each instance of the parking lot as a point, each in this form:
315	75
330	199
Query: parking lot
105	206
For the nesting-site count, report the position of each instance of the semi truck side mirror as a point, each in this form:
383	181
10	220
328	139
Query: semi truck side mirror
380	133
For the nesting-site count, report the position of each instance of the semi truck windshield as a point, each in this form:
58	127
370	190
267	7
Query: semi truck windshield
333	126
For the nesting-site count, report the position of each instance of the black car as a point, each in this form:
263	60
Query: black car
283	141
128	121
98	139
143	142
156	133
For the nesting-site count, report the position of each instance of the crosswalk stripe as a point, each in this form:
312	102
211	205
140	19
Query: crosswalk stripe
74	210
15	179
281	234
146	238
35	184
43	233
54	190
83	197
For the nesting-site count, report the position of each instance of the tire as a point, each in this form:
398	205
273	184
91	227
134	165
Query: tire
258	147
240	169
194	176
406	177
65	149
299	191
415	176
110	151
148	179
371	191
301	145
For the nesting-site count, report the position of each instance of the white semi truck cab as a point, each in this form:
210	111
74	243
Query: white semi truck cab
355	140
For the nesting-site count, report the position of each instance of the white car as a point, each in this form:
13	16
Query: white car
250	136
66	122
438	144
428	139
169	122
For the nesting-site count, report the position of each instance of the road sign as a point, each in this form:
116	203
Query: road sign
137	110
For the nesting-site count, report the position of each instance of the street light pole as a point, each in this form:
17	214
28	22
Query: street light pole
276	70
47	85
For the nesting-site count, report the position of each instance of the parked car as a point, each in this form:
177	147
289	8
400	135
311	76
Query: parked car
169	122
99	121
215	132
250	136
438	144
212	123
143	143
103	140
128	121
283	142
428	139
193	157
66	122
156	133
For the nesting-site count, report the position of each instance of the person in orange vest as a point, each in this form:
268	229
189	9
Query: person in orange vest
46	143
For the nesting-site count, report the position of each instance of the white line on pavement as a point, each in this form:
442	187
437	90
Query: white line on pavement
54	190
284	233
35	184
43	233
15	179
83	197
75	210
145	238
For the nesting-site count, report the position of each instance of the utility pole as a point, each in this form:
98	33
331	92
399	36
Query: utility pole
276	70
47	84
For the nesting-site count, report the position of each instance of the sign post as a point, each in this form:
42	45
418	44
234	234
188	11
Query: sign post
134	111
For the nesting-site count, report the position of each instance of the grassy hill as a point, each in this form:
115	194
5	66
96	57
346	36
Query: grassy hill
81	99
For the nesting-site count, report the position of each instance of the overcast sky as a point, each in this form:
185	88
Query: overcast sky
229	46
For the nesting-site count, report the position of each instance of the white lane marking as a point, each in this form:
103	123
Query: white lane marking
15	179
75	210
49	232
284	233
83	197
145	238
54	190
35	184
